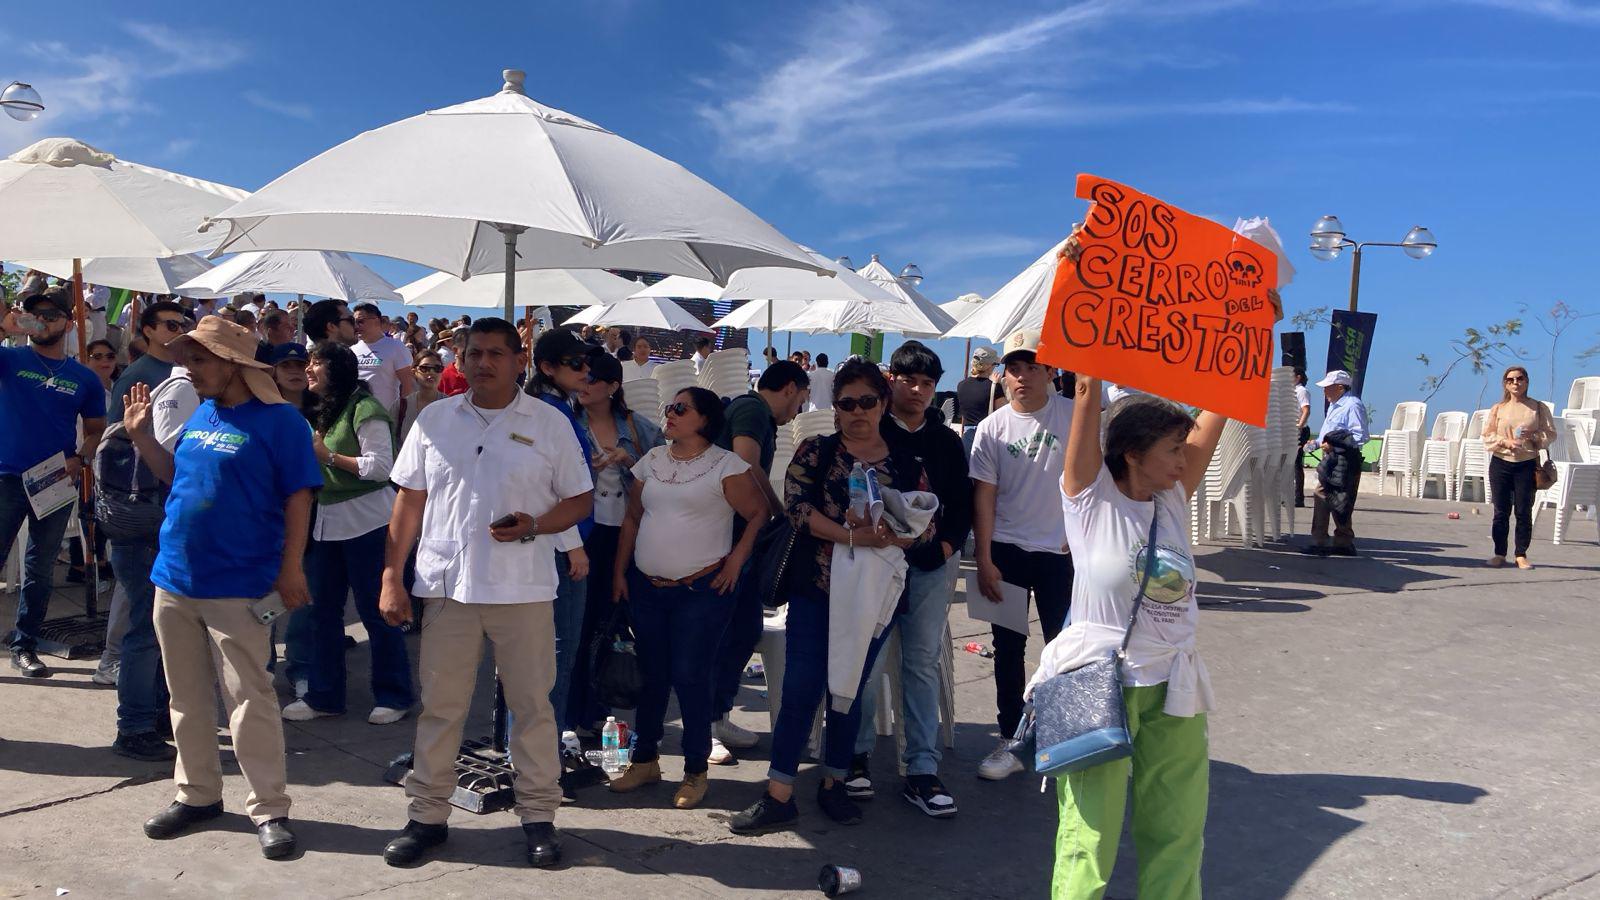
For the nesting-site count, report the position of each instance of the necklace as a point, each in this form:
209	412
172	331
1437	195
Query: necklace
49	382
678	458
684	471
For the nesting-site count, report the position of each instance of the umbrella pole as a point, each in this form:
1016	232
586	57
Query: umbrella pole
511	232
769	327
86	522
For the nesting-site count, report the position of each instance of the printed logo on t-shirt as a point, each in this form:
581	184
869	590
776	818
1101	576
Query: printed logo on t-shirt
369	360
1032	445
60	384
1171	579
228	442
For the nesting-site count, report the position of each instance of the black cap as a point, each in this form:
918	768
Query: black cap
605	367
556	345
55	297
278	353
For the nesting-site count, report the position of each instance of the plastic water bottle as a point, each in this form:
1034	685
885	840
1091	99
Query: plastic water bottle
858	491
610	743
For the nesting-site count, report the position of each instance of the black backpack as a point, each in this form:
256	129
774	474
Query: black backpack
129	499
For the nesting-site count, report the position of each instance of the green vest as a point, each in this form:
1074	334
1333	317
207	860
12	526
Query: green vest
337	484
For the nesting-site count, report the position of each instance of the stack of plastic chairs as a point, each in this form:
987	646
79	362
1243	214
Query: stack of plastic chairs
1584	396
1277	455
643	396
782	455
1229	492
812	424
1472	458
672	377
726	373
1441	451
1577	477
1402	448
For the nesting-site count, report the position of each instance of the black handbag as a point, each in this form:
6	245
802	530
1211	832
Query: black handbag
783	551
1078	720
615	673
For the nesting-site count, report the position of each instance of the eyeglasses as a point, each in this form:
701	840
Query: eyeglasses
851	404
675	409
172	325
1511	379
98	357
429	370
576	363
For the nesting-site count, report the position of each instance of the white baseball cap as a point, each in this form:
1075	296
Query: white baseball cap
1337	376
1019	342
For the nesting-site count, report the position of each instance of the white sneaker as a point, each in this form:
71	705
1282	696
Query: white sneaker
106	675
301	711
720	754
380	715
301	688
738	738
1000	763
570	745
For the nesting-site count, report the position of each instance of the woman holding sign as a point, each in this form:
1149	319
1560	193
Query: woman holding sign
1154	458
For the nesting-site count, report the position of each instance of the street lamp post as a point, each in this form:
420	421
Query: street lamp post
1328	240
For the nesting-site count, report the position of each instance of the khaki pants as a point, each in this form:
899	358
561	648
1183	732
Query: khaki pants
1344	532
524	641
186	629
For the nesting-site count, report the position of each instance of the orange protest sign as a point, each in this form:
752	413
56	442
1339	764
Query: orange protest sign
1166	302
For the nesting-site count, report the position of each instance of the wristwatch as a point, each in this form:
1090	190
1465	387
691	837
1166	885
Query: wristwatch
533	532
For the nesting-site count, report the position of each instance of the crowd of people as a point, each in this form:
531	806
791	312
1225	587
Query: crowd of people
478	480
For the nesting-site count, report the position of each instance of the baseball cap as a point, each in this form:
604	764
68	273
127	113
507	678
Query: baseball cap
278	353
605	367
1020	342
558	344
55	298
983	355
1337	376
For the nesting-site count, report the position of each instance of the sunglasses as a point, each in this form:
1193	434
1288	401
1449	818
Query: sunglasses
172	325
576	363
851	404
676	409
430	369
49	315
102	356
1516	379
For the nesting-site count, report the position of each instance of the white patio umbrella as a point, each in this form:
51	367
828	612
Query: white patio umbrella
962	306
680	287
550	287
914	316
320	273
144	274
761	314
1020	303
789	290
505	183
645	312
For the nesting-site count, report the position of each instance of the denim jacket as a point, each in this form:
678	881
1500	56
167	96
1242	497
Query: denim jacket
649	436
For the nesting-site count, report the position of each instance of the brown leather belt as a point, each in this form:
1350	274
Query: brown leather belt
688	579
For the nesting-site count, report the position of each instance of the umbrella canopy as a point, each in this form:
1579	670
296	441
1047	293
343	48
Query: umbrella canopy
505	183
63	199
756	314
548	287
769	283
144	274
962	306
316	272
646	312
1019	304
914	316
681	288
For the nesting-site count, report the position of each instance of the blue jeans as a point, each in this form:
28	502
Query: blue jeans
738	642
39	565
335	571
141	687
676	630
571	596
805	684
922	629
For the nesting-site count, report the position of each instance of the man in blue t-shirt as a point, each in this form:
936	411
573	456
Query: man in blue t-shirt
231	544
43	395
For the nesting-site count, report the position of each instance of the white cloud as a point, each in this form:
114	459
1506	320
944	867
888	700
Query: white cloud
301	111
178	147
952	249
1564	11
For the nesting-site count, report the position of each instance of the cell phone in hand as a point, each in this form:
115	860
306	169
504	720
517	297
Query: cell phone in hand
505	521
268	608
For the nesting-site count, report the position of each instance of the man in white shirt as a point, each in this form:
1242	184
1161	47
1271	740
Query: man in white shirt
702	350
640	366
385	362
487	479
1302	399
1018	454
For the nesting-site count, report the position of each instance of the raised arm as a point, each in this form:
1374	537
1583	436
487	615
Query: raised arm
137	417
1197	452
1084	456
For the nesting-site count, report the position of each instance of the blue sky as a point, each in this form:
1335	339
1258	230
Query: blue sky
947	134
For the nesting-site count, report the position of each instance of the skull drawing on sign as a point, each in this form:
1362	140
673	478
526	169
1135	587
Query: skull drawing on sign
1243	269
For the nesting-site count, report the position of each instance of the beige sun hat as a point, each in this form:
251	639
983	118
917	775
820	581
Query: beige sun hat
236	344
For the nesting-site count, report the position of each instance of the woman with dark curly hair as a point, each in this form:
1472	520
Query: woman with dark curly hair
817	499
354	441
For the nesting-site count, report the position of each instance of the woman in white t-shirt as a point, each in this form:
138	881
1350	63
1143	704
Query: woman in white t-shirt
678	535
1154	457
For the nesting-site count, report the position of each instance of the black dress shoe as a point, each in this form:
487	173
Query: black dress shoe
1316	550
543	848
277	841
178	818
27	662
1343	551
415	840
145	747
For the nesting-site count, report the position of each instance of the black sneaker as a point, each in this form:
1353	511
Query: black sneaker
27	662
927	793
858	781
765	815
146	747
1343	551
1316	550
836	802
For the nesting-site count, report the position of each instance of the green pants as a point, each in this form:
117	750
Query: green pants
1171	780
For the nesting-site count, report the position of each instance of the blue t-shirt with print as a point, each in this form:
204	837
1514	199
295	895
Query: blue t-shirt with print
40	402
234	468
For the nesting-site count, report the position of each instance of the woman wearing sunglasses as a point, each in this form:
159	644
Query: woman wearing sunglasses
429	367
817	499
1518	427
678	536
619	439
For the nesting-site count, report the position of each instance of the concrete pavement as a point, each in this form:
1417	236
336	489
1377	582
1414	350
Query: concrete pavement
1406	724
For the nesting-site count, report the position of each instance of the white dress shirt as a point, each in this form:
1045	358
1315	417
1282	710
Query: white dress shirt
477	465
367	513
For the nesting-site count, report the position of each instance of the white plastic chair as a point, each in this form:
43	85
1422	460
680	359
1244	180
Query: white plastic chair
643	396
1577	478
812	424
1441	451
1229	491
672	377
1583	395
1402	448
1472	458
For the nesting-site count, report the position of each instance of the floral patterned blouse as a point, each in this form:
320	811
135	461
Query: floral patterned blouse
800	490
